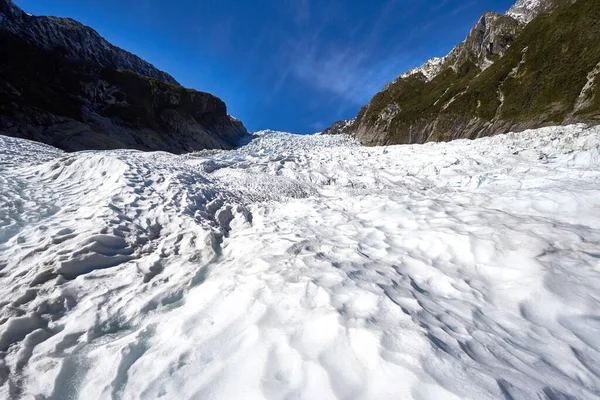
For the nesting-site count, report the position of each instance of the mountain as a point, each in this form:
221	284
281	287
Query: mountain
534	66
339	127
526	10
80	42
430	69
62	84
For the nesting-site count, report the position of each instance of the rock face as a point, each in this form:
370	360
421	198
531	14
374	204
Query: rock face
534	66
339	128
64	85
486	43
526	10
79	42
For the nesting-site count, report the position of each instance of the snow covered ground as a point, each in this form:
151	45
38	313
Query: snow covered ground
303	268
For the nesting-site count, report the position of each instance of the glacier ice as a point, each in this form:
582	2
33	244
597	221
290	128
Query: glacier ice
303	267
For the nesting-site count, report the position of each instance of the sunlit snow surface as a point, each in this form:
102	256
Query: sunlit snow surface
303	267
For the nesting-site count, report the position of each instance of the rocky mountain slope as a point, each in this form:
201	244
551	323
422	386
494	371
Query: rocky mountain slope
62	84
526	10
534	66
80	42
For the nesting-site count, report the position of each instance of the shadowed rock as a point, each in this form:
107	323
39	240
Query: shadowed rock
64	85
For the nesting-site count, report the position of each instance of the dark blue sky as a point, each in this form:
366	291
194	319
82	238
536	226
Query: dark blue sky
291	65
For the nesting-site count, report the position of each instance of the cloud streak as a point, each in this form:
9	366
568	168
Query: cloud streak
320	55
341	71
351	71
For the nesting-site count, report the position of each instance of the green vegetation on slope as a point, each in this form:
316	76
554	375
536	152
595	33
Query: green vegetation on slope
537	81
551	58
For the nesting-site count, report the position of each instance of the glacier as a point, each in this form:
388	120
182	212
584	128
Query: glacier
304	267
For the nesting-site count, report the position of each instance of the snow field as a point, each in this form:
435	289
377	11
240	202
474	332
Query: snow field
304	267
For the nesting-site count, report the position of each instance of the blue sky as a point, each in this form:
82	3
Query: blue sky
291	65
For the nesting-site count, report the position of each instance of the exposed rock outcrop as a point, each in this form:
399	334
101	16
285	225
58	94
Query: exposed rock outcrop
77	41
527	10
64	85
339	128
486	43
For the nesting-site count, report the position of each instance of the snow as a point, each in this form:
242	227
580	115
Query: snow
526	10
346	124
430	69
303	267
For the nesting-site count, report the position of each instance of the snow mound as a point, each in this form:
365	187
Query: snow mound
303	267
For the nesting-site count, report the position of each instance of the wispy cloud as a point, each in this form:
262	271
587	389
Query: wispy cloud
301	10
340	70
351	71
343	58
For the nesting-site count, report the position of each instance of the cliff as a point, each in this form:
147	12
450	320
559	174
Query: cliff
62	84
